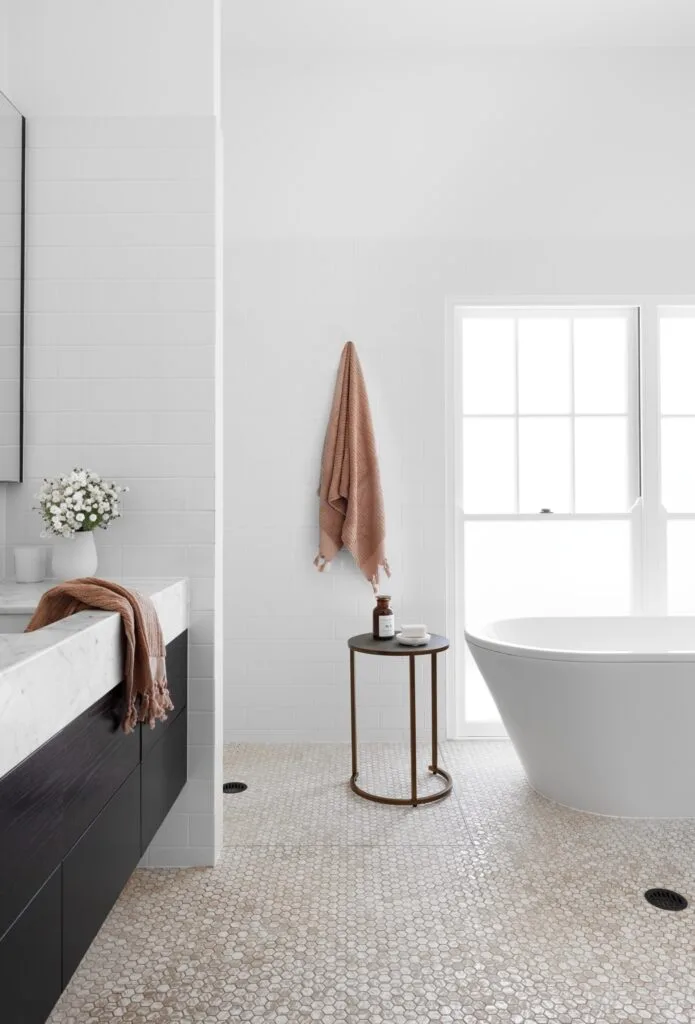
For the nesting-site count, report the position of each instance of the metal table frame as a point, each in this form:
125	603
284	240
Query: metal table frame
365	644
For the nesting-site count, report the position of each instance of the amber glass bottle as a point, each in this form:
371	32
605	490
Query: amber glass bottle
383	627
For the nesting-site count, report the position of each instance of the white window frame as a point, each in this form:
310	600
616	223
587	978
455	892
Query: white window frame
649	518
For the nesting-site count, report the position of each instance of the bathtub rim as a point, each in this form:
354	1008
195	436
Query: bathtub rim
481	638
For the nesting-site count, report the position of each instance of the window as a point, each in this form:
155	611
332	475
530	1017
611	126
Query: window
573	489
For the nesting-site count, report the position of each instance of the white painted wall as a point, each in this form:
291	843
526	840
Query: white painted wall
4	47
114	57
122	310
360	194
4	87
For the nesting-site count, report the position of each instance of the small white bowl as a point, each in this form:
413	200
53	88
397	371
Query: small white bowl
413	641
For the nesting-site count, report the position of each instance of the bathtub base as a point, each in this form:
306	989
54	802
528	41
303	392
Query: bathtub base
611	737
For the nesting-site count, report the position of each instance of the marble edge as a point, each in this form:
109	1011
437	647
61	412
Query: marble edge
60	671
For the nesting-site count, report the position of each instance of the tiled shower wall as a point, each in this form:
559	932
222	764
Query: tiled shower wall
120	372
3	529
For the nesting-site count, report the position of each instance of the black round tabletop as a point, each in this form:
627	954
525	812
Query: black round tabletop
366	644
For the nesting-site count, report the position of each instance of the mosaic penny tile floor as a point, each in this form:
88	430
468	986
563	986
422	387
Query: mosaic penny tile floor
493	906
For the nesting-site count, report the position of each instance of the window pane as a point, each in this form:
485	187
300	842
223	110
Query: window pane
488	366
681	567
600	365
677	348
545	567
488	465
678	464
544	464
544	365
601	464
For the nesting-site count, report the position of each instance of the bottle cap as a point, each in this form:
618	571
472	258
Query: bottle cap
383	597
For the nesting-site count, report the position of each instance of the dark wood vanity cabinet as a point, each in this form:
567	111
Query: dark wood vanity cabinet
75	818
30	957
96	870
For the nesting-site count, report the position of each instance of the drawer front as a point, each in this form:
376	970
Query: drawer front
30	961
177	678
96	870
30	826
102	758
164	773
48	801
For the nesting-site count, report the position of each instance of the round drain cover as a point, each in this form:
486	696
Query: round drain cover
234	787
665	899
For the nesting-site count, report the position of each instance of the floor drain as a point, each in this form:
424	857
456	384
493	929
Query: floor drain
665	899
234	787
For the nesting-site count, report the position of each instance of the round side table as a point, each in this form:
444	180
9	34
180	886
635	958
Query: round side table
366	644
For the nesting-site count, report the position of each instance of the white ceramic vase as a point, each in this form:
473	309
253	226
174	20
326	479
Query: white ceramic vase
74	556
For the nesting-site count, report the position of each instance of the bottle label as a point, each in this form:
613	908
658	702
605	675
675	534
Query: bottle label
386	625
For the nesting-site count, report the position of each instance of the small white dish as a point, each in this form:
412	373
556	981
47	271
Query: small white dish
413	641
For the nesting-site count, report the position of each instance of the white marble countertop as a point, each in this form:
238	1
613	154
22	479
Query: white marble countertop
49	677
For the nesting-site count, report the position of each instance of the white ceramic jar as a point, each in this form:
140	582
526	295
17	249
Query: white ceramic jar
29	563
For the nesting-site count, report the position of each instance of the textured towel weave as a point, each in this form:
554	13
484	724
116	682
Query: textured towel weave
146	692
351	502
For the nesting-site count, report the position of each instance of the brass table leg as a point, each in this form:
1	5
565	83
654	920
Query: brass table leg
353	715
433	766
413	734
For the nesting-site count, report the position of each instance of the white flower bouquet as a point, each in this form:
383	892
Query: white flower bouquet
78	502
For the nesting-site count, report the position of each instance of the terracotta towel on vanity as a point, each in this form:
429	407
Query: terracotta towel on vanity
352	506
146	693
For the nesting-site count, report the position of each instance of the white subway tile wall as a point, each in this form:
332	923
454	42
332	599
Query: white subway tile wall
4	559
120	373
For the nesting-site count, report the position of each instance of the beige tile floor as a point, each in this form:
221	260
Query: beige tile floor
495	905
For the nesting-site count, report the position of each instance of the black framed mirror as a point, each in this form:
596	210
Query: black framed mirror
12	235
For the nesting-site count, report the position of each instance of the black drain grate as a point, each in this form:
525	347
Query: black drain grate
665	899
234	787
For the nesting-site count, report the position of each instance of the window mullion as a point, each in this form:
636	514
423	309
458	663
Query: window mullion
653	546
517	475
573	487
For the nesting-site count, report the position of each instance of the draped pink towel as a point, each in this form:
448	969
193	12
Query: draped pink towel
351	511
146	692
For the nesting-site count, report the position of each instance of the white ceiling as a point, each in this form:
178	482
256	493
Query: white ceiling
326	26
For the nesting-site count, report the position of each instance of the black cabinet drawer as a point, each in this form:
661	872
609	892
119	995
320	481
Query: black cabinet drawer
164	773
101	757
47	801
30	966
31	811
177	678
97	868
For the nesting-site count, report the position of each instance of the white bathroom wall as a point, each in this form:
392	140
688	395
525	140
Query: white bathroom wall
4	47
122	311
120	369
4	87
117	57
361	192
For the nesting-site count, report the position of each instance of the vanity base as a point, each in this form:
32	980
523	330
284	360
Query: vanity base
76	817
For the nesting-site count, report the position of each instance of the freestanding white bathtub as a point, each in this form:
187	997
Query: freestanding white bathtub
601	711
